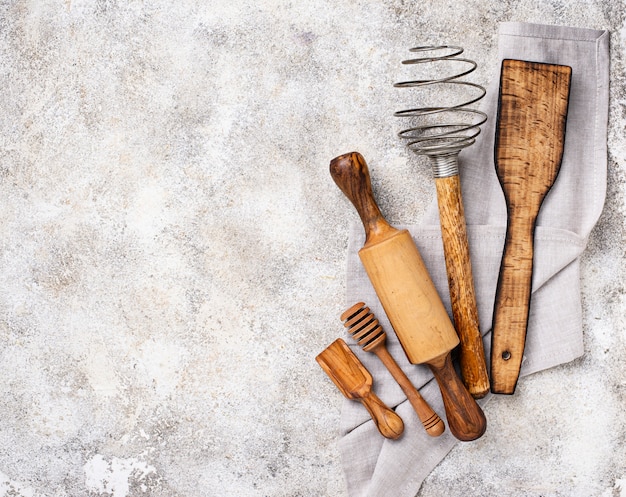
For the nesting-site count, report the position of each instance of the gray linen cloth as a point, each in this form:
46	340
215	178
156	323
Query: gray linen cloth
377	467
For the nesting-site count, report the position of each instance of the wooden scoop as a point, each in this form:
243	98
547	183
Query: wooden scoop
408	296
369	334
530	133
355	383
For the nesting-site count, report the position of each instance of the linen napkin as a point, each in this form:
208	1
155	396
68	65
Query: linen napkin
377	467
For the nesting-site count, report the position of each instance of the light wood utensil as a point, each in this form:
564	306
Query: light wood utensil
408	296
355	383
530	134
369	334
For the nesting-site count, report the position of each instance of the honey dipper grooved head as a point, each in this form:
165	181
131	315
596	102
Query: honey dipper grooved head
363	326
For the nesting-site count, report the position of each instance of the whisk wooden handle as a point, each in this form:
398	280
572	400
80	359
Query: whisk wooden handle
431	421
466	419
389	424
461	285
350	173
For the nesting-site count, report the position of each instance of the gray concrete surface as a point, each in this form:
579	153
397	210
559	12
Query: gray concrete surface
173	248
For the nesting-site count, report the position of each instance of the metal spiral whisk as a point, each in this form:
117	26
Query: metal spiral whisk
441	131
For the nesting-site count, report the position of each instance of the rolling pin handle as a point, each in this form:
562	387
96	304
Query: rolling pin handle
466	419
350	173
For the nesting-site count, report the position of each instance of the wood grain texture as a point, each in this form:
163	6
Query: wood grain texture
404	287
461	285
351	175
409	297
466	419
530	135
355	382
369	334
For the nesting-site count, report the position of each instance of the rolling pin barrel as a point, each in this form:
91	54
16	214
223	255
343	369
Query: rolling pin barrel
409	297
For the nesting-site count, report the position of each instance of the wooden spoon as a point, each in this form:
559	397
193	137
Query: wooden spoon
530	134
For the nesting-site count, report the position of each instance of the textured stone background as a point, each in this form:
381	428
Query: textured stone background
173	248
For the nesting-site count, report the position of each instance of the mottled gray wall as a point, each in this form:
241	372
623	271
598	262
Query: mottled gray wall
173	248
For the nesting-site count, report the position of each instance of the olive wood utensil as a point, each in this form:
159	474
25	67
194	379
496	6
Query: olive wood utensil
408	296
369	334
355	383
530	134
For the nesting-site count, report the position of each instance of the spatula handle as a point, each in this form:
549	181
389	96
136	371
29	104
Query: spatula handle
512	304
466	419
389	424
461	285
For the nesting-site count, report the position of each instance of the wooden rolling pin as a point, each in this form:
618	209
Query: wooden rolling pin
355	382
408	296
530	135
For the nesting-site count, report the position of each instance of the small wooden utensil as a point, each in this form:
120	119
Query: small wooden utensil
355	382
409	297
530	134
369	334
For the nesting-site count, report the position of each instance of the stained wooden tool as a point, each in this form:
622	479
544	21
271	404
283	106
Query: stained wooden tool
408	296
530	134
355	382
461	285
369	334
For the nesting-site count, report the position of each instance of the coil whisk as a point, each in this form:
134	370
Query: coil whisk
441	125
440	129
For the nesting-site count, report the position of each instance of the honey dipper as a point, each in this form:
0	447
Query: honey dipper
355	383
370	335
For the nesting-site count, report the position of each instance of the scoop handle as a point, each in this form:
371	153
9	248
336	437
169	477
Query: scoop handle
466	419
351	174
389	424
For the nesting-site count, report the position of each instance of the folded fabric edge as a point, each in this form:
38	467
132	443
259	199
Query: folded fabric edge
550	31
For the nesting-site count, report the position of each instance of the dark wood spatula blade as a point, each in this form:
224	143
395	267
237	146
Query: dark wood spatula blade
531	126
530	135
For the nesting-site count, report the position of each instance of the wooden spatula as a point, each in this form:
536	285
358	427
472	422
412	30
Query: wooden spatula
355	382
530	133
